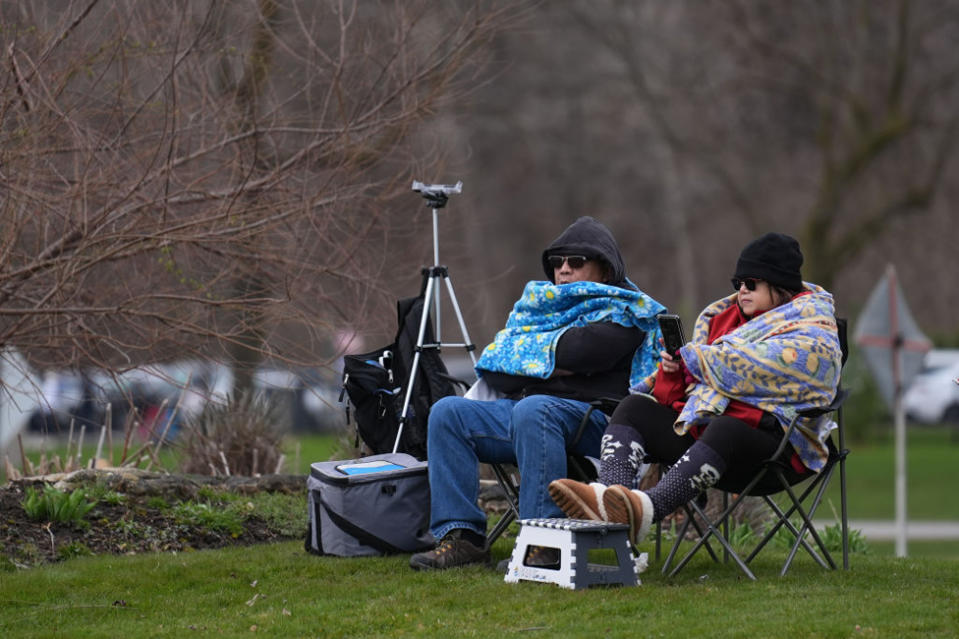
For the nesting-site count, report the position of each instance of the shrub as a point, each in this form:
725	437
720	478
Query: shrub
57	506
237	438
741	536
831	536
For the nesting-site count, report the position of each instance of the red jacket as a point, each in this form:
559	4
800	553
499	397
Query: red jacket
670	388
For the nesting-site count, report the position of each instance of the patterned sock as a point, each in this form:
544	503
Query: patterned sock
621	454
699	468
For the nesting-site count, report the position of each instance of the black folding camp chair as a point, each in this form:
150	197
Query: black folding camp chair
802	505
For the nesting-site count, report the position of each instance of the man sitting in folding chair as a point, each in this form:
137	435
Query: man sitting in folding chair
586	333
756	359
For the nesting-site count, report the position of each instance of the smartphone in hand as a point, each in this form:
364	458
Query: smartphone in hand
672	329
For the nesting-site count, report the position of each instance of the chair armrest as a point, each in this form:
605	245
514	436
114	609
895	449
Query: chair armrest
604	404
837	402
841	395
456	381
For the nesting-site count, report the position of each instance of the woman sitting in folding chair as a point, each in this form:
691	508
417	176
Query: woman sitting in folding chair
718	410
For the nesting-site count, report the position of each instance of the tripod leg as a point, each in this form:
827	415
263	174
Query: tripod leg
430	295
459	317
411	380
437	315
438	329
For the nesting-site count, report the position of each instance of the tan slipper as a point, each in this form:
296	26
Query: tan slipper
633	507
579	500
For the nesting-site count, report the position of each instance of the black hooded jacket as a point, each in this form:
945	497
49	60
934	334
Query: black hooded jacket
592	361
592	239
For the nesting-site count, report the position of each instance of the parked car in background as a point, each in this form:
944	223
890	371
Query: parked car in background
306	399
933	396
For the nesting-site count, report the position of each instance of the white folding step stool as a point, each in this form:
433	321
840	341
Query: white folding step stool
574	538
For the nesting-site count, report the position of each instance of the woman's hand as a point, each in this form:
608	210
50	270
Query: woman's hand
667	362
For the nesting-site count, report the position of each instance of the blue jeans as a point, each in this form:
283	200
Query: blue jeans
531	433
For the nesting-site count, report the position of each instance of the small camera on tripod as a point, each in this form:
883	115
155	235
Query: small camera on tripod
437	194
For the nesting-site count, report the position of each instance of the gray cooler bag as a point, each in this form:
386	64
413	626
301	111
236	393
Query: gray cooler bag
375	505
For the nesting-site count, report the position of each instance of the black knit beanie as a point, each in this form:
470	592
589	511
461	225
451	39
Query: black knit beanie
774	257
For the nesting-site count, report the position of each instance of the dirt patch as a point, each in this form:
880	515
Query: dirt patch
140	521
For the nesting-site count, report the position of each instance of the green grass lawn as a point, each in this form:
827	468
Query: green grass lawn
939	549
932	456
282	591
279	590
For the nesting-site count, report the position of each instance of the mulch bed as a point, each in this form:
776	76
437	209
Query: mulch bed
132	527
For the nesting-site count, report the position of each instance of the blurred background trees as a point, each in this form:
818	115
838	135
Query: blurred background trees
211	179
691	127
232	180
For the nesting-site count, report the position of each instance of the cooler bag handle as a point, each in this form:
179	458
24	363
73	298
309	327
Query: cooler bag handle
361	535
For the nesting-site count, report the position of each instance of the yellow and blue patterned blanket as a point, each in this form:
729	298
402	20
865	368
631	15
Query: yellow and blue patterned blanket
783	361
527	346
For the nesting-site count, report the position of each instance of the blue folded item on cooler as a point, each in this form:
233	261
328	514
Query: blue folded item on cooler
368	467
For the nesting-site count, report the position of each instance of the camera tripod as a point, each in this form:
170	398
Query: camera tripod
436	196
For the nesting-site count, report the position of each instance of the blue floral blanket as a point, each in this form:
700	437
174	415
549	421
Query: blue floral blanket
527	346
785	360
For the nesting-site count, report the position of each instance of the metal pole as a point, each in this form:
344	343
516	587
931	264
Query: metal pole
438	327
900	475
468	343
899	413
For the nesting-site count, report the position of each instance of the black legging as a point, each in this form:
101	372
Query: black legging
742	447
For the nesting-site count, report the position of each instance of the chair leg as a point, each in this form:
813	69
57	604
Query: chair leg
842	453
500	527
782	520
845	514
819	484
807	516
679	538
659	538
704	532
512	502
713	531
681	535
725	526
